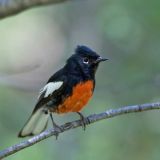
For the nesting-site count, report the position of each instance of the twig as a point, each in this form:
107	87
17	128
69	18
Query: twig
12	7
74	124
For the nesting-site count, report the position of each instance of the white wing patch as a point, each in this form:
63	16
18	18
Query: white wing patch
50	88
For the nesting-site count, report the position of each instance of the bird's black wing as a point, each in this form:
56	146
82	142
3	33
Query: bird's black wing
51	93
53	90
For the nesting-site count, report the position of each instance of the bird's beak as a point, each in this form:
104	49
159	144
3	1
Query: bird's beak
100	59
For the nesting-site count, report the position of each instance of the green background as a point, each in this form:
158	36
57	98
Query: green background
36	43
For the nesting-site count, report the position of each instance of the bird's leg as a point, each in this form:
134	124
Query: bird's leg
56	127
82	120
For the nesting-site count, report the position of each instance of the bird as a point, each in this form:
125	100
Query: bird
68	90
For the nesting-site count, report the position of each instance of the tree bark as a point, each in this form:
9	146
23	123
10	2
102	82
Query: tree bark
12	7
74	124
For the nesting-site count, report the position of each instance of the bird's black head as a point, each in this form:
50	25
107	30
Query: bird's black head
85	62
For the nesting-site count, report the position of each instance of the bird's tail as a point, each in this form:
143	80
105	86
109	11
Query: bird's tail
36	123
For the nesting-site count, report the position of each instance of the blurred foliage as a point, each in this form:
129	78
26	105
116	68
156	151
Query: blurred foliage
36	43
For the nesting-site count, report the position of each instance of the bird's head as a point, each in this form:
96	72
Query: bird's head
85	61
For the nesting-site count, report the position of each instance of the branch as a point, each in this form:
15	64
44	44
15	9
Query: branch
74	124
12	7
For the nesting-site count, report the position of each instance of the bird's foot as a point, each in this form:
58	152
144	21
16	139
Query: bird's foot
56	127
83	122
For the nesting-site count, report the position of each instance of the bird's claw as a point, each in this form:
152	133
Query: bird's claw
83	122
58	129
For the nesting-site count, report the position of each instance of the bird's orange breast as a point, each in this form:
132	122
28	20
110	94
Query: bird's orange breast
81	94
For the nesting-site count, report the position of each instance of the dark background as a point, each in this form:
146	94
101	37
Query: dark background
36	43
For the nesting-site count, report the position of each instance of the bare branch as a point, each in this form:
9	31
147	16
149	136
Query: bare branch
12	7
74	124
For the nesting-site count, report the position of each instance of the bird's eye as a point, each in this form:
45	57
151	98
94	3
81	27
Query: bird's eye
85	60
